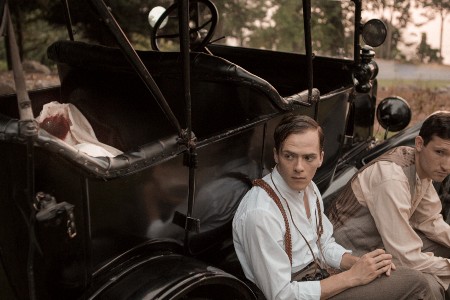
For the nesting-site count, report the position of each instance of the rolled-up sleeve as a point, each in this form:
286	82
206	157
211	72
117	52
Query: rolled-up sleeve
331	250
428	218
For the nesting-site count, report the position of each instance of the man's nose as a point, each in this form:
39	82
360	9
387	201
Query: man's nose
446	165
299	165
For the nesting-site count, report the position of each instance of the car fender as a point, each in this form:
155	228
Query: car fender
168	276
405	137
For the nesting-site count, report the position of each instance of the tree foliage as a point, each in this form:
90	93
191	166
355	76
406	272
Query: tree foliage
433	8
279	26
244	15
426	53
31	28
397	15
268	24
282	31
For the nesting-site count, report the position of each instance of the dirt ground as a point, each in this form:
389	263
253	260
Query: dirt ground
412	83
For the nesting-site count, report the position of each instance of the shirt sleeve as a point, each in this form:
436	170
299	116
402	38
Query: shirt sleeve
428	218
332	251
389	202
267	259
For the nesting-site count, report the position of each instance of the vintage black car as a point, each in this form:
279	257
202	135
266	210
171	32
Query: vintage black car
121	183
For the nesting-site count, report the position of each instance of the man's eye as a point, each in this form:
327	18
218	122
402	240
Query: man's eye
289	156
440	152
309	158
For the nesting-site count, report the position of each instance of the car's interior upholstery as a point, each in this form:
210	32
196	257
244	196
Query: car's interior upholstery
124	113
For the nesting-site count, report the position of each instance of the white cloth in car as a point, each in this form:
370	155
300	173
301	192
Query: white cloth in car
66	122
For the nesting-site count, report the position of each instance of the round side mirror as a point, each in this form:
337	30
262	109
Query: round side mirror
393	113
374	32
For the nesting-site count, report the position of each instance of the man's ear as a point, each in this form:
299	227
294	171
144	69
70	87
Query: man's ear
419	143
275	155
321	158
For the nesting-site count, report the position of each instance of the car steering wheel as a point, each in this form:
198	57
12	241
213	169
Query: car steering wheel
198	41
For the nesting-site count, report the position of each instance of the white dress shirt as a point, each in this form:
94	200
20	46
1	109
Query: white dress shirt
258	236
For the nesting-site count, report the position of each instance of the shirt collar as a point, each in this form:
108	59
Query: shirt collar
283	187
414	176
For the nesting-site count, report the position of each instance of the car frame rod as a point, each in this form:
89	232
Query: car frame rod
357	34
192	161
308	44
68	18
309	54
28	129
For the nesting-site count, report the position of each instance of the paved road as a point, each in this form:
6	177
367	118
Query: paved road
393	70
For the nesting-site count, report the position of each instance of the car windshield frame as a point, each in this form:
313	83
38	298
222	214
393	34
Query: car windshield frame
275	27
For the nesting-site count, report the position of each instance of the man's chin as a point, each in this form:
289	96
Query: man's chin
298	187
438	179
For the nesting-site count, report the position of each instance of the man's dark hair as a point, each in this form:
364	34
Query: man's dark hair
436	124
295	124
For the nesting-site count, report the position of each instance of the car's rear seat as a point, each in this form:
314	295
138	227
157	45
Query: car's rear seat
124	114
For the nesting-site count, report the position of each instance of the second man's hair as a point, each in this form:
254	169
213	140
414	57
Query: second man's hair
437	124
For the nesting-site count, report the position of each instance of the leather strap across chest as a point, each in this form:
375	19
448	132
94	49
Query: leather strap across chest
287	237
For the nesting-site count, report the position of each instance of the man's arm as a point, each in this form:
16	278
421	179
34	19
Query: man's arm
272	273
360	271
264	256
348	261
389	202
331	250
428	218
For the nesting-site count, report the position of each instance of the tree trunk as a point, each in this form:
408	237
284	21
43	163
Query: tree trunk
441	34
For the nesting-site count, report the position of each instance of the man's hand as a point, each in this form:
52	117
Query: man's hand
360	271
370	266
393	267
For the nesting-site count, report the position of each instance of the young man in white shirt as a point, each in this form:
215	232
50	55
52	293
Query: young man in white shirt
279	230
